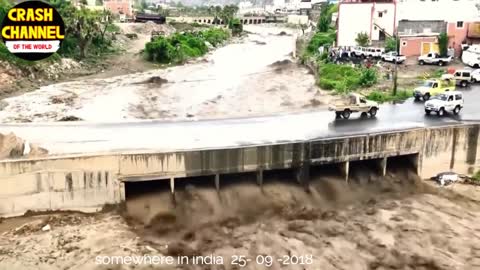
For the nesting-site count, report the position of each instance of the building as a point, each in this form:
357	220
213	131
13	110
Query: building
376	18
379	18
419	37
119	6
459	15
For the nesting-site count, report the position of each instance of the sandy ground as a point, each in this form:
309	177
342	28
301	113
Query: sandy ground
394	223
252	76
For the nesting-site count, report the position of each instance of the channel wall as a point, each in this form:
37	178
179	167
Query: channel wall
88	182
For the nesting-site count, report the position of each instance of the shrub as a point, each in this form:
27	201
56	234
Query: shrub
179	47
362	39
368	77
215	36
476	176
381	96
320	39
345	78
236	26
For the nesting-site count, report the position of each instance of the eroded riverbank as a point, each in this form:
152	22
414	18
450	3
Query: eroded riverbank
255	75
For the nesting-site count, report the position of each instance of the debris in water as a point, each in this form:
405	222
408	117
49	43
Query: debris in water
70	118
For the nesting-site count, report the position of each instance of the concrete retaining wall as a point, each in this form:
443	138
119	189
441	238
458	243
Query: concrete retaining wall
88	182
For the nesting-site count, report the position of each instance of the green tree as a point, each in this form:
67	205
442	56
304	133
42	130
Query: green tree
362	39
323	24
229	12
5	5
443	44
236	26
392	44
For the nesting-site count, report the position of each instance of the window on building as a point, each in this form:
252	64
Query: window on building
380	14
404	43
459	24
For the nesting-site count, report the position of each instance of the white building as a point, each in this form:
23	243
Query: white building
376	19
379	18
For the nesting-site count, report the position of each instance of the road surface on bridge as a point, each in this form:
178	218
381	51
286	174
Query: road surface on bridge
151	135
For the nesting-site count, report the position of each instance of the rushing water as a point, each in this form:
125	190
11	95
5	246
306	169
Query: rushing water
237	79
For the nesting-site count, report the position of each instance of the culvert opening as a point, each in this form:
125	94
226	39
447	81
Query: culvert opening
402	163
365	171
284	176
326	171
139	188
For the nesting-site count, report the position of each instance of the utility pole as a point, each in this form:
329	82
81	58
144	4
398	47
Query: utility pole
395	70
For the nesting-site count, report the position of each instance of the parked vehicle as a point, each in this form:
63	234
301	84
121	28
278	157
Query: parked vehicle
352	104
374	52
393	57
471	56
462	77
434	87
475	75
451	101
360	51
434	59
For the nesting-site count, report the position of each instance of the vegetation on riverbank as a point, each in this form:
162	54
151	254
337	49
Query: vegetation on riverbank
381	96
345	78
182	46
476	176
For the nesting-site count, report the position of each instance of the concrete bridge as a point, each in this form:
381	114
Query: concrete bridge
87	182
243	19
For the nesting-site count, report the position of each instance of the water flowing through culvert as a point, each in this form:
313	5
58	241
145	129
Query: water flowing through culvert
197	203
371	222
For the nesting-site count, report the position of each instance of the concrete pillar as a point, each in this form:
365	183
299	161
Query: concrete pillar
303	174
383	166
345	168
172	185
172	191
217	181
260	178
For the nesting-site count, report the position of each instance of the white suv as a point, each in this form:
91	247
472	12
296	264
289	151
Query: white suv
360	51
374	52
448	101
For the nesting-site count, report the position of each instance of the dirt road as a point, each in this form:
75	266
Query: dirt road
396	223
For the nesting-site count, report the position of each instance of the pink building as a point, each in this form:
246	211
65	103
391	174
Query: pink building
119	6
418	45
418	37
462	32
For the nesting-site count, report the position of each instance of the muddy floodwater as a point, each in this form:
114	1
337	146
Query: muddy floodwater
252	75
395	222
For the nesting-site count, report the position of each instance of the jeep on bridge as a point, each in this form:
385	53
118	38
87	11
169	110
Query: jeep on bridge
354	103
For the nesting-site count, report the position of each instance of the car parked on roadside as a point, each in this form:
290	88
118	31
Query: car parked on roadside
393	57
434	59
451	101
359	51
475	75
374	52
